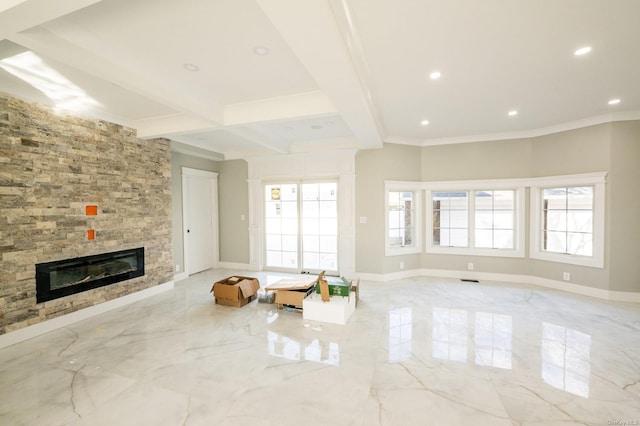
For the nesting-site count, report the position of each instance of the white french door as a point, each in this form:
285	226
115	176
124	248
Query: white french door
301	226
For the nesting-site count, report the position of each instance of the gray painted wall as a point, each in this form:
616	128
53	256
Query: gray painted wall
373	167
625	206
233	196
577	151
611	147
479	160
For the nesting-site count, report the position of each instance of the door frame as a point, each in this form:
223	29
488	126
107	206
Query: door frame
187	172
338	164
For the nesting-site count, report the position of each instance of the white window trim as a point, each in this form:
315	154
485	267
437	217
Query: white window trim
598	181
400	186
518	185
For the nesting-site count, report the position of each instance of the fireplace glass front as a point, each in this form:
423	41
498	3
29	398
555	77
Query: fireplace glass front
70	276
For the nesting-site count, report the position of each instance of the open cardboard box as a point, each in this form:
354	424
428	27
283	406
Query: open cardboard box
235	291
292	291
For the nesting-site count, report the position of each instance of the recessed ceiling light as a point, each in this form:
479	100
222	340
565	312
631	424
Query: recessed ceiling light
582	51
328	123
261	51
191	67
435	75
512	113
614	101
424	123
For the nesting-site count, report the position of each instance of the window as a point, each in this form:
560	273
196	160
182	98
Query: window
495	219
401	214
403	218
567	219
451	219
484	218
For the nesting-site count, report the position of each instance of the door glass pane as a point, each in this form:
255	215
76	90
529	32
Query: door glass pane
311	260
329	261
301	226
319	226
281	225
311	243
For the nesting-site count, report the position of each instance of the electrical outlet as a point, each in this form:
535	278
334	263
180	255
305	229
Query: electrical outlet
566	276
177	267
401	265
470	266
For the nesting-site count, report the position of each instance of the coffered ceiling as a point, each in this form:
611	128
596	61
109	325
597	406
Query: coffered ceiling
241	78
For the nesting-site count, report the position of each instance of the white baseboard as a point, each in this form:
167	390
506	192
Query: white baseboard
237	266
38	329
618	296
181	276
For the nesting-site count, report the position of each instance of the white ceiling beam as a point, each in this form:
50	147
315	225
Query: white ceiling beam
258	138
168	125
48	45
195	151
20	15
311	31
280	108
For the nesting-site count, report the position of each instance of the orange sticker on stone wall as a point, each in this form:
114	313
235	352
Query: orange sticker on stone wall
91	210
91	234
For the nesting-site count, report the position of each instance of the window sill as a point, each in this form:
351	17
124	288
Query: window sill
592	262
466	251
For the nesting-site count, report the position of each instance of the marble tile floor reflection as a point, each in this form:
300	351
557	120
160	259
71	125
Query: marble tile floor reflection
420	351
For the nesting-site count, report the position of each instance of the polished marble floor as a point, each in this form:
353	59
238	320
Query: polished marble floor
420	351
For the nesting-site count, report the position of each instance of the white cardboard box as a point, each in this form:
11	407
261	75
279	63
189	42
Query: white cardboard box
336	311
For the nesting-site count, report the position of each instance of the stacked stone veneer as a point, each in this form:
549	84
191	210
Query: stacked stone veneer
53	165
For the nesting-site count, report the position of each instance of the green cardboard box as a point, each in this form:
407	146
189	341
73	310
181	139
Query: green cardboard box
337	286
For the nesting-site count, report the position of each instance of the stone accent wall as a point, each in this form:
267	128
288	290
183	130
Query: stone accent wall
51	166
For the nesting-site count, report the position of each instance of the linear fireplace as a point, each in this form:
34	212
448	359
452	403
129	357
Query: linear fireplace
71	276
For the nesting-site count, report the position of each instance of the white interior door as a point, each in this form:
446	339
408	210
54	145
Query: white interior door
200	219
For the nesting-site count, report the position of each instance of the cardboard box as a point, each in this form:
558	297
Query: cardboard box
337	311
235	291
355	289
292	291
337	286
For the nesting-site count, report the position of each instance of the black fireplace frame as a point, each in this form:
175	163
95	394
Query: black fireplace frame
44	292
